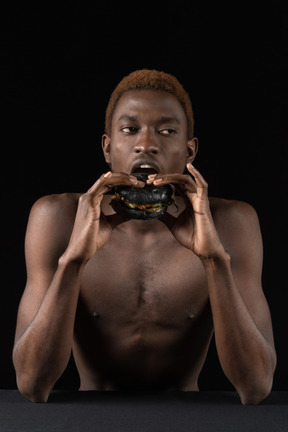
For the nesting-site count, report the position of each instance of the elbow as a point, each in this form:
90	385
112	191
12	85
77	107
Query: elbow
31	383
259	386
255	391
253	396
256	385
35	392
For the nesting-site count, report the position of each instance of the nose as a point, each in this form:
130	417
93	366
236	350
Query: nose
146	143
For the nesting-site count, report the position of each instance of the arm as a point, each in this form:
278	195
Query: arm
46	315
232	259
242	323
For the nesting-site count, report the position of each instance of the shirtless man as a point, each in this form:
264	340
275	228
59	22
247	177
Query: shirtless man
136	301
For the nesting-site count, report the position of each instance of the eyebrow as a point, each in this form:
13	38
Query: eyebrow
169	120
128	118
163	119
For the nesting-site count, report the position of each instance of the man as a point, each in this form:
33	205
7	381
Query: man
138	301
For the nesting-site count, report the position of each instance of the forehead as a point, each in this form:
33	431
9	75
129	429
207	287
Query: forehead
149	103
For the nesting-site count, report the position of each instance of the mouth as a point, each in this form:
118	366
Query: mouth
145	167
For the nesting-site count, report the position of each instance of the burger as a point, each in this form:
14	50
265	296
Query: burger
146	203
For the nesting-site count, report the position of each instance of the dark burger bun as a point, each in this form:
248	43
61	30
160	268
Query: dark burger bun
150	194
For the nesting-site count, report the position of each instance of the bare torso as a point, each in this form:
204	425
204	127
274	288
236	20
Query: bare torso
138	301
143	319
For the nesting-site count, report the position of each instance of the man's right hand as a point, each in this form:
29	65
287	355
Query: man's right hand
92	229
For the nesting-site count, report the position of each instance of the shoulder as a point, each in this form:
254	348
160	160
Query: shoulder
224	211
52	217
56	205
237	224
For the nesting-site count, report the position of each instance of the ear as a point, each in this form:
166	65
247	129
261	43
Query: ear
106	147
192	149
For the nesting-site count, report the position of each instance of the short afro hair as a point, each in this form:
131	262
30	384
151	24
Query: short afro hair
146	79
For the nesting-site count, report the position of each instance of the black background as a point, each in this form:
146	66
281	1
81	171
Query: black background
59	66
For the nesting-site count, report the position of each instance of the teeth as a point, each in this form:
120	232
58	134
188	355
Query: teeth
146	166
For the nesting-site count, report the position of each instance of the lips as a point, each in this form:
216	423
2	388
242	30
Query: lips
145	167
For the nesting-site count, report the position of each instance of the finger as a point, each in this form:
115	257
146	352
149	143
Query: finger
201	183
124	179
100	182
162	179
196	174
182	182
109	180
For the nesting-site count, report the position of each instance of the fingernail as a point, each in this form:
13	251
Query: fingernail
158	181
107	174
133	179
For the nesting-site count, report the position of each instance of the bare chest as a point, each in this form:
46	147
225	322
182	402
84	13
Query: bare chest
157	284
144	313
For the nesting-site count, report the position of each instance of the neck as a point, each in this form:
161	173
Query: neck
142	227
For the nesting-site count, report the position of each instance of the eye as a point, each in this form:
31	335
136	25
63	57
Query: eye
129	130
167	132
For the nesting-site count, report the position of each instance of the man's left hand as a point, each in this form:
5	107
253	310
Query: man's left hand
194	228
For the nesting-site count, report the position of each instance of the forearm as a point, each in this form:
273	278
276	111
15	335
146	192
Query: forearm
246	356
42	352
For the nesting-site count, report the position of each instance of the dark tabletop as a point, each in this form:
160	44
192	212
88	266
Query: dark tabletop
110	411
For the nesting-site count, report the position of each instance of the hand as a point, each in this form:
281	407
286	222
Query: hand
92	229
194	228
